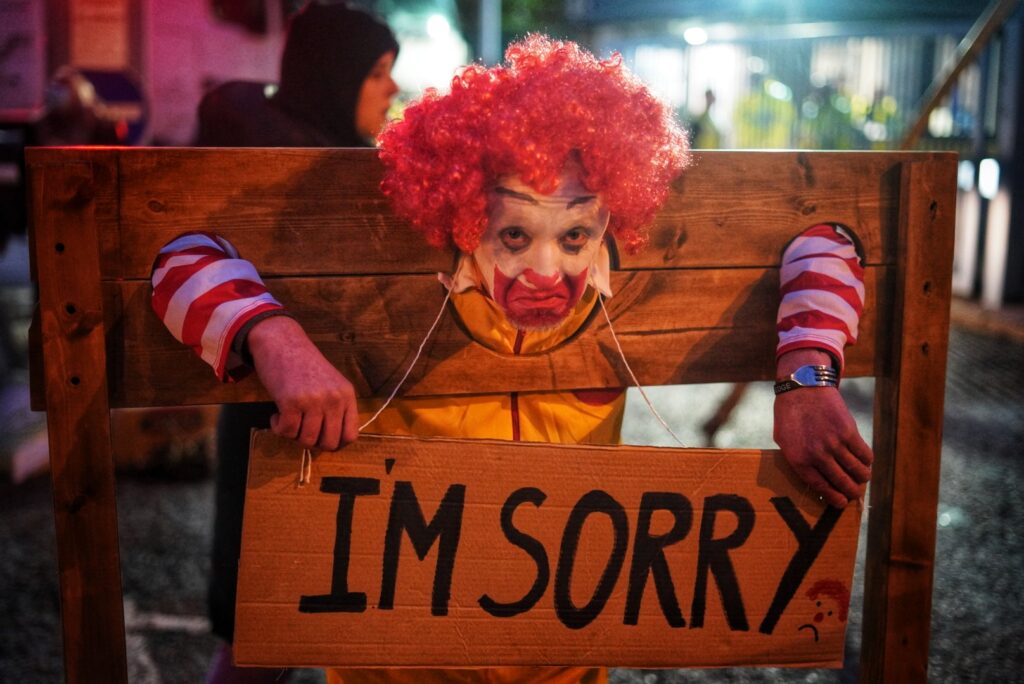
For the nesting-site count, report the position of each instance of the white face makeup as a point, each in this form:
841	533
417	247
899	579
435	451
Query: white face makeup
538	250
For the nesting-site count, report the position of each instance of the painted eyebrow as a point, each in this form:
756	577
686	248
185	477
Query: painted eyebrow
580	200
533	200
517	195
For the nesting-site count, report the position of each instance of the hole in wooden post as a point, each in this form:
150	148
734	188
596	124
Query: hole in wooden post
75	380
924	349
927	286
59	247
71	309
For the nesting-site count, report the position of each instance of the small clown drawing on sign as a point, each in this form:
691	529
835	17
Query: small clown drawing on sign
831	600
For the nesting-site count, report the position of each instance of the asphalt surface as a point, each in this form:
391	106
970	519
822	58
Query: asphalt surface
976	631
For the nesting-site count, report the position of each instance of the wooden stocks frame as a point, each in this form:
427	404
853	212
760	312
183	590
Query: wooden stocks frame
706	290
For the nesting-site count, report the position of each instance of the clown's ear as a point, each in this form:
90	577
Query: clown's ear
466	276
600	271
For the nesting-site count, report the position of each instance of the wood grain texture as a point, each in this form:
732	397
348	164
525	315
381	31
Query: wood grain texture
66	202
729	209
36	374
908	435
675	327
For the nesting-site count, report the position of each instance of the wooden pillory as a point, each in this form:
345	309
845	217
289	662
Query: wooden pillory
697	306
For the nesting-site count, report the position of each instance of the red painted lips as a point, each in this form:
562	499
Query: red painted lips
541	302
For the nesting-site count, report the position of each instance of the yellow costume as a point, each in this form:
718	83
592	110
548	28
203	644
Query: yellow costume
587	417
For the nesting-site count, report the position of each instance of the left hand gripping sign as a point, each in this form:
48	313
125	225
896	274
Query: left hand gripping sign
448	553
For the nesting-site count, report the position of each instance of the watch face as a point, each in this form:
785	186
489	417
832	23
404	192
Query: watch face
805	375
815	376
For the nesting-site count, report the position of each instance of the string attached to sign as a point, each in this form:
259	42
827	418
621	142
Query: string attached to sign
305	467
416	358
622	355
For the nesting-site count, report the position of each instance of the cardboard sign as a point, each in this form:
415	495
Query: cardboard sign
454	553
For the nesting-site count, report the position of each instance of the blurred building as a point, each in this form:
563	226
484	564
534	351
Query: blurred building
821	74
174	50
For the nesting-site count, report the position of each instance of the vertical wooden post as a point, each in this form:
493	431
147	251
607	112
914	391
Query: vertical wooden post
66	255
908	433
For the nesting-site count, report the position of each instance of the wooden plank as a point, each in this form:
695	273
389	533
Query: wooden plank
315	564
330	198
66	249
908	435
36	375
104	213
741	208
106	196
305	212
675	327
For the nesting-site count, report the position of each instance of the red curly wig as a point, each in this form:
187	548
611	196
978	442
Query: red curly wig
551	102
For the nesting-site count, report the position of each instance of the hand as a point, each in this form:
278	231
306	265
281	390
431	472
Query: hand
316	404
819	437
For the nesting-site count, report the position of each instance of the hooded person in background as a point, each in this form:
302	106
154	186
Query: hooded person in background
335	87
335	90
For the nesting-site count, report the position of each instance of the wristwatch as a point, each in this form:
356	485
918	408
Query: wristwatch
808	376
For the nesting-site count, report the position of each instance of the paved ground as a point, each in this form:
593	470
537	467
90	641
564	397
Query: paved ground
977	601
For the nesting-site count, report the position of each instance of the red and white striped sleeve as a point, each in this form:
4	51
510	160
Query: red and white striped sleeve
204	293
822	289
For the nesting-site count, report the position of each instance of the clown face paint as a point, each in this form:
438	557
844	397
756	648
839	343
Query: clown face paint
538	250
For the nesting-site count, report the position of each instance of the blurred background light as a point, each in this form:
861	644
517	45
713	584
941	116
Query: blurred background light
779	90
695	35
438	26
965	175
756	65
663	69
432	48
988	178
940	122
875	131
